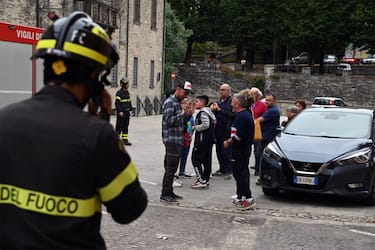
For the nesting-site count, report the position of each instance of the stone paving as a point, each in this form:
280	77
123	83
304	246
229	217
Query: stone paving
206	219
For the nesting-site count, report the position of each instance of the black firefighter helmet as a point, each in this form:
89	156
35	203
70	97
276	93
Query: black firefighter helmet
78	38
77	49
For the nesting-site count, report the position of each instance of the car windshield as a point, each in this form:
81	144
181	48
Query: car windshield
332	124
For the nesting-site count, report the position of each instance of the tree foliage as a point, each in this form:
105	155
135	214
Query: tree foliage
175	42
316	26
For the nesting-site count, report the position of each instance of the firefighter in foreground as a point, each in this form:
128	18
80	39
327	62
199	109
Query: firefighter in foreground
123	108
58	165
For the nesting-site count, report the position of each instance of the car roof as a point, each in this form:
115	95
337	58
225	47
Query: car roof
327	98
344	110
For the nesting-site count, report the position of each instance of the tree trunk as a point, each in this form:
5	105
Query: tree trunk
188	51
250	55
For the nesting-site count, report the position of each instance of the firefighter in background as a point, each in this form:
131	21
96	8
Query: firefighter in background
124	108
58	164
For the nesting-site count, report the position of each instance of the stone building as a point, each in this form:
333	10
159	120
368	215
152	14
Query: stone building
136	27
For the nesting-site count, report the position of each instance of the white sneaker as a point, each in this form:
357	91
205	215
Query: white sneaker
176	183
199	184
234	197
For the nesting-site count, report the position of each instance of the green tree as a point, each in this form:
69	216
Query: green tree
322	26
363	18
202	17
175	43
259	27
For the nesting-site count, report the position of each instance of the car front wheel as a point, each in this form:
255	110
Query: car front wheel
370	200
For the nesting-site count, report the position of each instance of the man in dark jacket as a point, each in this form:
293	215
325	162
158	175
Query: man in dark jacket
242	137
123	107
58	164
224	117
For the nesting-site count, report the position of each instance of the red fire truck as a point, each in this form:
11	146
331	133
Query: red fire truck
20	77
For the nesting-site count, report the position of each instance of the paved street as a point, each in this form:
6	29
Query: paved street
206	219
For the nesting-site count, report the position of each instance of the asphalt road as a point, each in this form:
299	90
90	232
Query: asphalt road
206	219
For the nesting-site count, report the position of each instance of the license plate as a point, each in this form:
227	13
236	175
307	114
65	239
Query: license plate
305	180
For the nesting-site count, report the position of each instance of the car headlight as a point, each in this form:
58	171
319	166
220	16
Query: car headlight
354	158
271	152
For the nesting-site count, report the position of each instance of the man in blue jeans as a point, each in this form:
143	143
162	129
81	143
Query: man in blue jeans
173	124
270	122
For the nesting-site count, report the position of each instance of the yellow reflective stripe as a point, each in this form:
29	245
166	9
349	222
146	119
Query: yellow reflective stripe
48	204
122	100
101	33
124	179
86	52
46	44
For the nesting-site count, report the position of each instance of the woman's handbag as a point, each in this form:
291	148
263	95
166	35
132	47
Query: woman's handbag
257	131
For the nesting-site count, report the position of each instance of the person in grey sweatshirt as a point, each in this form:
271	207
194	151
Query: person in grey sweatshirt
204	139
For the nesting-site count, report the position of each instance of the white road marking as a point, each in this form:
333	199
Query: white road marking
361	232
148	182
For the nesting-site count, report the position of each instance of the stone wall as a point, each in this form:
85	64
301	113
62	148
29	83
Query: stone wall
356	90
18	12
132	39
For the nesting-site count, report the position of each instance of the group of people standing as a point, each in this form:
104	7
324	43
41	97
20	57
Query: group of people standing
229	125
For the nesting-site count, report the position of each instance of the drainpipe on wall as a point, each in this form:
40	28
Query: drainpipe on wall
37	13
163	54
127	40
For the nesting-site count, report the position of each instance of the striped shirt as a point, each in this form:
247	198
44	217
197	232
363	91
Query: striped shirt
173	121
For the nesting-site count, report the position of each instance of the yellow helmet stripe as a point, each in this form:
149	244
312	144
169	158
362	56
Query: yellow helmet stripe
48	204
124	179
85	52
101	33
46	44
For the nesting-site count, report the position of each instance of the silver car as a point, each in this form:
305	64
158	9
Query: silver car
370	59
328	102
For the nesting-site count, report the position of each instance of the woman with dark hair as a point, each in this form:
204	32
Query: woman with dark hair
300	104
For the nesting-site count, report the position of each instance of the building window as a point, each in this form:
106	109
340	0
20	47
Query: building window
105	15
135	72
113	18
152	73
137	11
99	12
114	76
95	12
153	14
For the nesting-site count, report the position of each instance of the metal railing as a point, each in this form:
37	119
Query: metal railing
148	107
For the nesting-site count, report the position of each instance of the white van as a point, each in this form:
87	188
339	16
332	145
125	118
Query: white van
343	67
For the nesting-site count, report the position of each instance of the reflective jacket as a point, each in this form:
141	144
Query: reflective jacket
58	165
123	102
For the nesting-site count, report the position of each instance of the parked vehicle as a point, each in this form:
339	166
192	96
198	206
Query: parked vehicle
301	58
370	59
289	66
343	67
327	102
325	151
350	60
330	59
